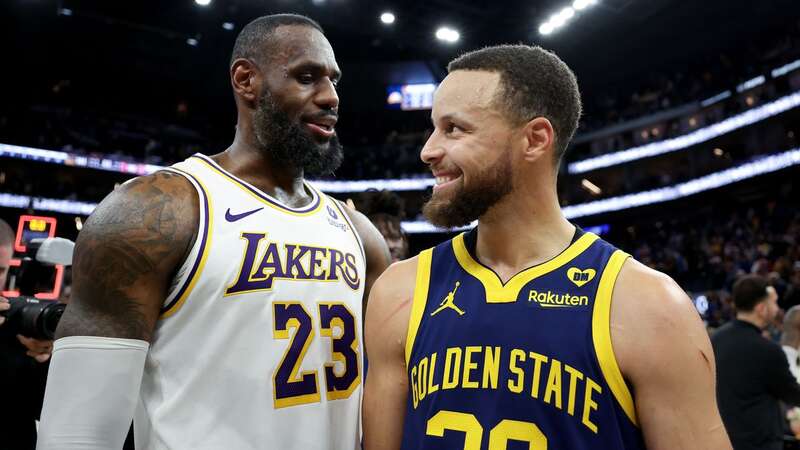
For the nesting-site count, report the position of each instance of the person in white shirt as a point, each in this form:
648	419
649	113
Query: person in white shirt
790	340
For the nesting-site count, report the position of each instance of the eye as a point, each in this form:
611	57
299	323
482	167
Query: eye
305	78
453	128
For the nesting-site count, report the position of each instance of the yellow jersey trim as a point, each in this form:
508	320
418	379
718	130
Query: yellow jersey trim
205	245
420	298
262	197
601	335
496	290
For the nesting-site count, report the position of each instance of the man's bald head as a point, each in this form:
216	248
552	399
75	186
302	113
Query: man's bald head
791	327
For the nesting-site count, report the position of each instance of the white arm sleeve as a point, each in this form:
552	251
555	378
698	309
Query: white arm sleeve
92	391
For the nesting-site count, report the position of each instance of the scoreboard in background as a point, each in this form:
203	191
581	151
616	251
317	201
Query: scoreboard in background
29	228
410	97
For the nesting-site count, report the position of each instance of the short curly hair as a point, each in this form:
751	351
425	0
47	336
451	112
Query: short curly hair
534	83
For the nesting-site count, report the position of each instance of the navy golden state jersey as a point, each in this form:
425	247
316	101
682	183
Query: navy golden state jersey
526	364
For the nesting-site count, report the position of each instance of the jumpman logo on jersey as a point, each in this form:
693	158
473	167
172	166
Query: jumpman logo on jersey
449	303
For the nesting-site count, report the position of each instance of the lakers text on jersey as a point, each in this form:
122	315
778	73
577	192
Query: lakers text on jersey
258	344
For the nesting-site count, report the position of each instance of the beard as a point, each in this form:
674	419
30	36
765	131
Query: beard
468	203
288	144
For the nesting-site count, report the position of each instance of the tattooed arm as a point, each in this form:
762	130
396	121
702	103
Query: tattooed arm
126	256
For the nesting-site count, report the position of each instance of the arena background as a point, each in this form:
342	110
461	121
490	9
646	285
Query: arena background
686	156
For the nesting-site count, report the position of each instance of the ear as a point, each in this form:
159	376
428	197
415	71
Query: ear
760	309
540	139
245	80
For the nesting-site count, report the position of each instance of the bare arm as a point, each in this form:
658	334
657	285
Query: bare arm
126	255
663	350
386	387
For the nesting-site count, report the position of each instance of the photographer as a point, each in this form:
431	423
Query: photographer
23	369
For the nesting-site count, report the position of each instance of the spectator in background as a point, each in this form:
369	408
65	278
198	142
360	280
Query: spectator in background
21	375
752	372
386	210
790	340
6	249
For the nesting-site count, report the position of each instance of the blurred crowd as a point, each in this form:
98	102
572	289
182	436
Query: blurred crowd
386	144
706	254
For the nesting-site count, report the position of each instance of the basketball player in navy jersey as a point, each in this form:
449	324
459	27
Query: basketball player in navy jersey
527	332
230	282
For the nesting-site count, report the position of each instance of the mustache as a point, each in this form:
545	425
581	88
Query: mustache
328	113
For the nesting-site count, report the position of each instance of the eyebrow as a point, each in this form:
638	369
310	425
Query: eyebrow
453	117
317	67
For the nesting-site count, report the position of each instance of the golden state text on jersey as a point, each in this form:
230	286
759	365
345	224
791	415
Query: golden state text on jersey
525	364
259	341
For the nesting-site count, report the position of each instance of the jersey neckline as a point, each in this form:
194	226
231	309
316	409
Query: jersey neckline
499	292
311	208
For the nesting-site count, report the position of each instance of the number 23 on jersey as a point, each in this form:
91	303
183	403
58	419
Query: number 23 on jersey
292	387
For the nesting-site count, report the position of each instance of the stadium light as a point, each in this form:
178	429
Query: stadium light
203	2
447	34
563	16
697	136
580	5
546	28
733	123
387	18
65	11
192	42
228	26
761	166
786	68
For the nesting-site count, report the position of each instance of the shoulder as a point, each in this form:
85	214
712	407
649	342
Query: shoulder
156	210
377	252
396	283
652	318
652	295
391	297
160	188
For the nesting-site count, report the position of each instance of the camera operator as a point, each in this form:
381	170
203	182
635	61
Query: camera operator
23	369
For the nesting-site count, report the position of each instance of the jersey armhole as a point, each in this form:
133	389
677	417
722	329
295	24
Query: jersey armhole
186	277
420	298
601	336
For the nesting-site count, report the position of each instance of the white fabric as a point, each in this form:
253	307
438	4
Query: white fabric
91	393
210	377
791	356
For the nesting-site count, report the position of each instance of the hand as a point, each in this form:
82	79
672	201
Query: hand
3	307
38	350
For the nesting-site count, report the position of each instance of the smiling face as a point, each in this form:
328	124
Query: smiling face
298	107
469	151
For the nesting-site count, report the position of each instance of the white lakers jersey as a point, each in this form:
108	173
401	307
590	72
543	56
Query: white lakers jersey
259	344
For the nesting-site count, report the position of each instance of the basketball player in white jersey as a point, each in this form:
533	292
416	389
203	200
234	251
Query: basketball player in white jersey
221	299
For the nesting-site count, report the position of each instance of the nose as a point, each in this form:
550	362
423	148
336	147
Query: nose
326	97
432	151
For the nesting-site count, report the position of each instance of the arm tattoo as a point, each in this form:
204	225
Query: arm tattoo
126	255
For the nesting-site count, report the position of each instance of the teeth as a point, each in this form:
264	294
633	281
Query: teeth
442	180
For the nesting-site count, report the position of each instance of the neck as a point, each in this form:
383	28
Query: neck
247	161
524	229
752	318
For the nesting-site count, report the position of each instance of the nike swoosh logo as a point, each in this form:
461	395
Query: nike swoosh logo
234	217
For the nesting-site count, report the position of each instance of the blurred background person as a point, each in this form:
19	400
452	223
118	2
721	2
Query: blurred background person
752	372
23	369
386	210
